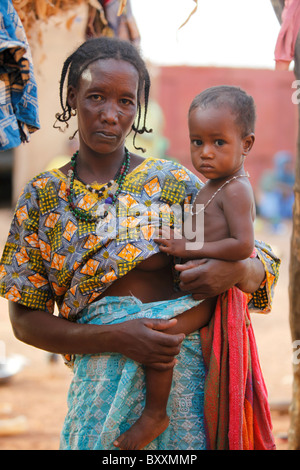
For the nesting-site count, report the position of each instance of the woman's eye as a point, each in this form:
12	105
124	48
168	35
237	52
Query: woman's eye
126	101
96	97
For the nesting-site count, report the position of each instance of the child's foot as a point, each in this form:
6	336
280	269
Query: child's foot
142	432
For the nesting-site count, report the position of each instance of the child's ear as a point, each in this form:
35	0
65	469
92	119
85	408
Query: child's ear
248	142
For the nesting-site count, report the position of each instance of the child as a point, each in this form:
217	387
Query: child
221	126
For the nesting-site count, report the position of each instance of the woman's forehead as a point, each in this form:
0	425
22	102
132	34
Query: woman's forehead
109	67
87	75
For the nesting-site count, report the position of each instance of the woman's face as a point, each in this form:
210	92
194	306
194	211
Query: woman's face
106	103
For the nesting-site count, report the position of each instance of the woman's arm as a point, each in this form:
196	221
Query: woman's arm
142	340
252	275
210	277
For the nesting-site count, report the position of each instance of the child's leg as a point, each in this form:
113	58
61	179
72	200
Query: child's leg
154	419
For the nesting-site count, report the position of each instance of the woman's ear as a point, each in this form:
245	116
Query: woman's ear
71	97
248	142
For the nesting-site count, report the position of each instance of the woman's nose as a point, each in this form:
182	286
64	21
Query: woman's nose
110	112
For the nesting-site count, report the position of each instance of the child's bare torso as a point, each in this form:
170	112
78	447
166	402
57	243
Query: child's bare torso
215	222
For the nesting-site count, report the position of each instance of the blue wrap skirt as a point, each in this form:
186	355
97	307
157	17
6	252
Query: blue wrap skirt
107	392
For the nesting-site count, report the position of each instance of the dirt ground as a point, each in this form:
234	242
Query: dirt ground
36	396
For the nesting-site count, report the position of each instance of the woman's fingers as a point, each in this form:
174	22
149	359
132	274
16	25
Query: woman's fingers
148	342
161	326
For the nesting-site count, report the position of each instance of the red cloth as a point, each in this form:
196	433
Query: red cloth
290	26
236	409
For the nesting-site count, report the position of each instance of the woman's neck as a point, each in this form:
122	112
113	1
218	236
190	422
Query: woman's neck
98	168
102	169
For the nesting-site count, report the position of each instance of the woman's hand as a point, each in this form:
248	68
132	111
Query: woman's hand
146	341
210	277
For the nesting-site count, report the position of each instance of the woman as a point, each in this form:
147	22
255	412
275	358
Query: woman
88	246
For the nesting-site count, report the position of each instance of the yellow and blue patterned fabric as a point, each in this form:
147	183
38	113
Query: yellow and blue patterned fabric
19	113
51	257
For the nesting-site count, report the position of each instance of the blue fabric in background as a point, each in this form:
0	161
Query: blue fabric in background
19	113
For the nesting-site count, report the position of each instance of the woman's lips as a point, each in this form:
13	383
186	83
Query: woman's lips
106	135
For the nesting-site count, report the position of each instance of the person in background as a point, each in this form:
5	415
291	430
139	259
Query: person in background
276	191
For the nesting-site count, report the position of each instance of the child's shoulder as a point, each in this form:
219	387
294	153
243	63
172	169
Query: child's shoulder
238	186
238	195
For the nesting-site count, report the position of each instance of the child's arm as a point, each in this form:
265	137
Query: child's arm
237	205
228	249
195	318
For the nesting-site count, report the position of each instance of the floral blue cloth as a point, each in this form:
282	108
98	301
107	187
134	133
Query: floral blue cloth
107	393
19	113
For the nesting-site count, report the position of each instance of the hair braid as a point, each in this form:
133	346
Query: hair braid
66	114
139	115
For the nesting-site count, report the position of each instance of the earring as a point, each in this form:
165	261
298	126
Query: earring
73	112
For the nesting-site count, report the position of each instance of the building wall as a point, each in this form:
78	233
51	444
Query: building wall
276	127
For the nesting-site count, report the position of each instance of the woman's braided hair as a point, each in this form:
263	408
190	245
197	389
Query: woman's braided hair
105	48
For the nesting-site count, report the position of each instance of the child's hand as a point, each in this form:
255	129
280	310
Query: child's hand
171	242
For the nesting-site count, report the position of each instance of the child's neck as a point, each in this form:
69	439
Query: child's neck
222	179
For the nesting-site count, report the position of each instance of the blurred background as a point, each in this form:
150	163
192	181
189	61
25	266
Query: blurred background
228	42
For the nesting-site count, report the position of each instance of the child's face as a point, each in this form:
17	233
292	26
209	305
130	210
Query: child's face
216	143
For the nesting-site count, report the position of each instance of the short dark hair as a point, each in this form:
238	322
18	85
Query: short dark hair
239	102
105	48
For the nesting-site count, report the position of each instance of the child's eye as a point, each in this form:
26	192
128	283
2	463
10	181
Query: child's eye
219	142
197	142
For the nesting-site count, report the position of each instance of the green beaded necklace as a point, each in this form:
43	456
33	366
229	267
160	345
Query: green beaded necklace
114	188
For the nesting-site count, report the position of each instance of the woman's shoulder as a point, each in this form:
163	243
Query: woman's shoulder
169	167
43	182
43	178
165	179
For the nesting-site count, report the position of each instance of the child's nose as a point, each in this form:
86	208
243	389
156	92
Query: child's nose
207	151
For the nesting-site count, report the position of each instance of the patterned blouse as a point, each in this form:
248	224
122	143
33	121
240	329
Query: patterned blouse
51	257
